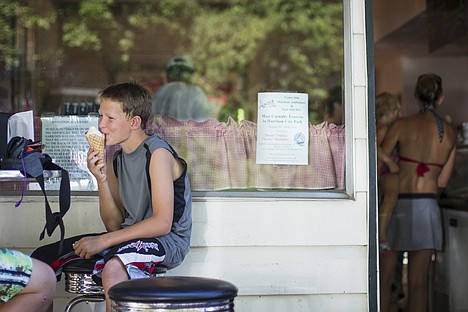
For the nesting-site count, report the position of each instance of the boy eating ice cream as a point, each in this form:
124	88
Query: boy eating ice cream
144	194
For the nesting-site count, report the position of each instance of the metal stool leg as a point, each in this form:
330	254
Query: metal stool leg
79	281
83	298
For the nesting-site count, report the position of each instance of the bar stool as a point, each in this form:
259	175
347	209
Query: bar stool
175	293
78	280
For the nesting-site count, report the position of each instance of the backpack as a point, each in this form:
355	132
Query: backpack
25	155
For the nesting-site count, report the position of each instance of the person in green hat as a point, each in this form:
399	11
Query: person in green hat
179	97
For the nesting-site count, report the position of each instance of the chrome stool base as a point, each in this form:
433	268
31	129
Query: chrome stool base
221	306
84	298
79	280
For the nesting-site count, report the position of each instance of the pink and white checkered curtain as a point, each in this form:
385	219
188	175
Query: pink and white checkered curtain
221	156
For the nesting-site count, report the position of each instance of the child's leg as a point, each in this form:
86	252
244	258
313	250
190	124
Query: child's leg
389	190
38	294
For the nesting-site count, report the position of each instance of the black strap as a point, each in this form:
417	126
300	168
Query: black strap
54	219
148	161
114	162
32	164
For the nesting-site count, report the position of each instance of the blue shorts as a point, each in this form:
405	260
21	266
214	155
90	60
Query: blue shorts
15	272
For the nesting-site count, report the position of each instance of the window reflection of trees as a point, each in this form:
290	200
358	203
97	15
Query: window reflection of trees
238	47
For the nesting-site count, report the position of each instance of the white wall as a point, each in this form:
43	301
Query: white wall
294	253
282	254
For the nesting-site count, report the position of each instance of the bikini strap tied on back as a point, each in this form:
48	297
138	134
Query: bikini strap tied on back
440	123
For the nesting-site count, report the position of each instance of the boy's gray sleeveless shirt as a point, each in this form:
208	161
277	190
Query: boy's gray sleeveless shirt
132	172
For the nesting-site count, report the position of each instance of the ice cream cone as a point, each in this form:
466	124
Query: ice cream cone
96	140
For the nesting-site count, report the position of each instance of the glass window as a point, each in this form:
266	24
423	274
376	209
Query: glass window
55	55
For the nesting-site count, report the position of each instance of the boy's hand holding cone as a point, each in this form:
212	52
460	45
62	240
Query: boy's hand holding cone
96	140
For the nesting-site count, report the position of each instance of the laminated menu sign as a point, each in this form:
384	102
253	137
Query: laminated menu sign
65	142
282	128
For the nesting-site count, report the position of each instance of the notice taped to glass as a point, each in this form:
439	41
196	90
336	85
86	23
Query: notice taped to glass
283	128
64	140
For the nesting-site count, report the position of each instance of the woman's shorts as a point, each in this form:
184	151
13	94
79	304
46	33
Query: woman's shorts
415	224
15	271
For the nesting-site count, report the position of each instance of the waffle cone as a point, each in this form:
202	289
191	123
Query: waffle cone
96	140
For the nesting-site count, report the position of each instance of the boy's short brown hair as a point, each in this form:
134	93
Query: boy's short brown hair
135	98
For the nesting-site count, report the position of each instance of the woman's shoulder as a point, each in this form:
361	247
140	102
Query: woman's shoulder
415	121
402	122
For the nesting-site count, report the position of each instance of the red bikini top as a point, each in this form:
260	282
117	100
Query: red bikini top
422	167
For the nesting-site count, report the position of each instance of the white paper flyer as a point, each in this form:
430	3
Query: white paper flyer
65	142
283	128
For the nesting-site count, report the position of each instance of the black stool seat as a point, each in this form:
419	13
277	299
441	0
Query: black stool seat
173	293
86	266
173	289
79	265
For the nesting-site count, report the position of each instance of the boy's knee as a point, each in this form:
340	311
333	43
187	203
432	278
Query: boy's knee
113	268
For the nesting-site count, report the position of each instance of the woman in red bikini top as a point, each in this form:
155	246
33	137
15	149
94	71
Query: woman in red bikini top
426	145
426	142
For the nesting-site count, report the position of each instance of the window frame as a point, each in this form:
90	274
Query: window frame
346	193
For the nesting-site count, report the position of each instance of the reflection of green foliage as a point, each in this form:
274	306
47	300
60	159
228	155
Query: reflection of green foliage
16	13
226	41
91	24
295	45
101	24
298	43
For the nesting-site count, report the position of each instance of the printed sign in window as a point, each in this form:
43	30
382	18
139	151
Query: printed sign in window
282	128
64	140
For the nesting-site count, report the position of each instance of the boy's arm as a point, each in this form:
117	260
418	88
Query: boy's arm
164	169
110	206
